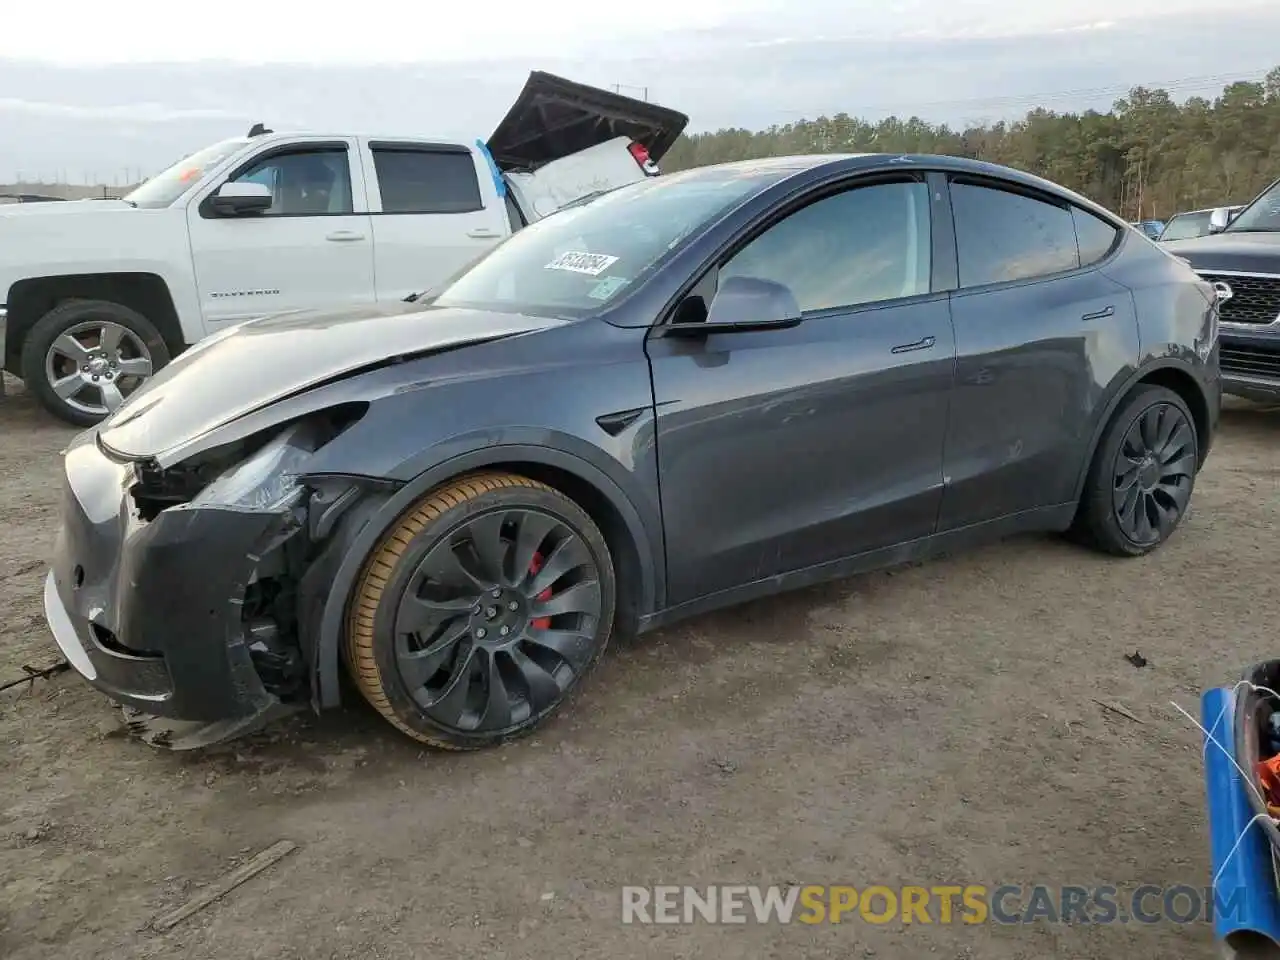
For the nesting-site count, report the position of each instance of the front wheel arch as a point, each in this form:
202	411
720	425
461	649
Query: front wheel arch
637	572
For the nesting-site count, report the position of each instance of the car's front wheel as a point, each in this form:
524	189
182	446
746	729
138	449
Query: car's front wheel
481	611
1144	471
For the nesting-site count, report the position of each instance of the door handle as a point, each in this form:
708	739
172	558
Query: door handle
924	343
1107	311
484	233
341	236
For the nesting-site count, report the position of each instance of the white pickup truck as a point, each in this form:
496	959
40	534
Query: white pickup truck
95	295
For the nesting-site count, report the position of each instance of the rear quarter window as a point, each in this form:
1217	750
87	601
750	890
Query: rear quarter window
1094	236
1002	235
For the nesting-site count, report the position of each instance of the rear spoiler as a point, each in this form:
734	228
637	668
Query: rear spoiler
554	117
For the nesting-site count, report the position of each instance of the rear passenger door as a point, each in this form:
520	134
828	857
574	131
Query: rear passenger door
1041	332
434	207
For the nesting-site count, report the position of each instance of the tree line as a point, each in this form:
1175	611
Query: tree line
1147	157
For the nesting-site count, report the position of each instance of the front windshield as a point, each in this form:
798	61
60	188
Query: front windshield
1187	226
577	260
1261	216
164	188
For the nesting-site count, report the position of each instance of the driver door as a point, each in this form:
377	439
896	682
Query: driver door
786	449
312	249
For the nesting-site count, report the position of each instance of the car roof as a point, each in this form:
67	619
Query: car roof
789	166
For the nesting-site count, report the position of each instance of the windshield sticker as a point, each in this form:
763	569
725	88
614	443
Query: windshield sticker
592	264
607	287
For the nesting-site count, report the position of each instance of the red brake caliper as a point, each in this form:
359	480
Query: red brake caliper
540	623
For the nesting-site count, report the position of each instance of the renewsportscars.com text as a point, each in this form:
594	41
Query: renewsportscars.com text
939	904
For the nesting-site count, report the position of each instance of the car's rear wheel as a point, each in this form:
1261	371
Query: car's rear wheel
1143	474
481	611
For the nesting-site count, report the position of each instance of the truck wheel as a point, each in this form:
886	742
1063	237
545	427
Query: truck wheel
83	357
481	611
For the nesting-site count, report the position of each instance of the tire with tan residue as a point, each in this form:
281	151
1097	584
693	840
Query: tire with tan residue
478	529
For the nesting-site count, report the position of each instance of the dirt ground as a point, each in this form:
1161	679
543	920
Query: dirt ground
928	726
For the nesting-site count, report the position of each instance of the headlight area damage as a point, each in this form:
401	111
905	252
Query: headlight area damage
178	591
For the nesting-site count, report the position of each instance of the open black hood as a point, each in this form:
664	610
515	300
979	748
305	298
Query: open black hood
554	117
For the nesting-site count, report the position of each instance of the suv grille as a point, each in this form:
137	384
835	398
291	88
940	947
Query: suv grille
1253	300
1250	362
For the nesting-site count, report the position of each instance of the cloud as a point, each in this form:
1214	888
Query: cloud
395	32
745	71
133	112
386	31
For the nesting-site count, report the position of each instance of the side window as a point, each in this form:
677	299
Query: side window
1186	226
427	181
865	245
1094	237
304	182
1003	236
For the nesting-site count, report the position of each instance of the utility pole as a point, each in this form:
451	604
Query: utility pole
644	91
1141	185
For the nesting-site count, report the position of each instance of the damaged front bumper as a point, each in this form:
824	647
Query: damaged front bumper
162	614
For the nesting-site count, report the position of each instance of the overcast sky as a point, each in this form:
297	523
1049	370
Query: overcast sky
153	80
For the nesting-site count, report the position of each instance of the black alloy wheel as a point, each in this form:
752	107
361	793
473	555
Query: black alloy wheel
1154	470
1142	476
498	602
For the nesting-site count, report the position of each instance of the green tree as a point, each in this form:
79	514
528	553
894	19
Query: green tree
1149	156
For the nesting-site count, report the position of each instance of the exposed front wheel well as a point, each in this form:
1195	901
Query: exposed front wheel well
1185	386
605	515
31	299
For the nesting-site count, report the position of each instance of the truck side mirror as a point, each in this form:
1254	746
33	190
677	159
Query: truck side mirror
241	199
1218	219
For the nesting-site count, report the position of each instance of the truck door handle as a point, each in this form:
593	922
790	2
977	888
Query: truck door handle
924	343
1102	314
344	236
483	233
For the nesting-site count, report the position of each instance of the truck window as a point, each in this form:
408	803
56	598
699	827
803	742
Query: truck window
167	186
1261	216
433	180
304	182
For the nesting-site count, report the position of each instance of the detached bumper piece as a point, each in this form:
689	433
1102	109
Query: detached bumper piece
192	734
152	613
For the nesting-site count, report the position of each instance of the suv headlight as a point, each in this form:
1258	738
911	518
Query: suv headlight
267	480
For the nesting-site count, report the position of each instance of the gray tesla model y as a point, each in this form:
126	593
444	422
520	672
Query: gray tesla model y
688	392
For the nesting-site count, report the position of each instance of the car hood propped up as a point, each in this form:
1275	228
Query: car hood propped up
554	117
254	364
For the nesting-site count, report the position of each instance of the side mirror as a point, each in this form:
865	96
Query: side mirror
1218	219
242	199
745	303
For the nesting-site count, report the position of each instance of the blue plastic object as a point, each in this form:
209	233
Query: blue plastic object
499	183
1246	903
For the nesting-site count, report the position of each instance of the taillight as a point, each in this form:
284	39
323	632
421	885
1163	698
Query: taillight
640	153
